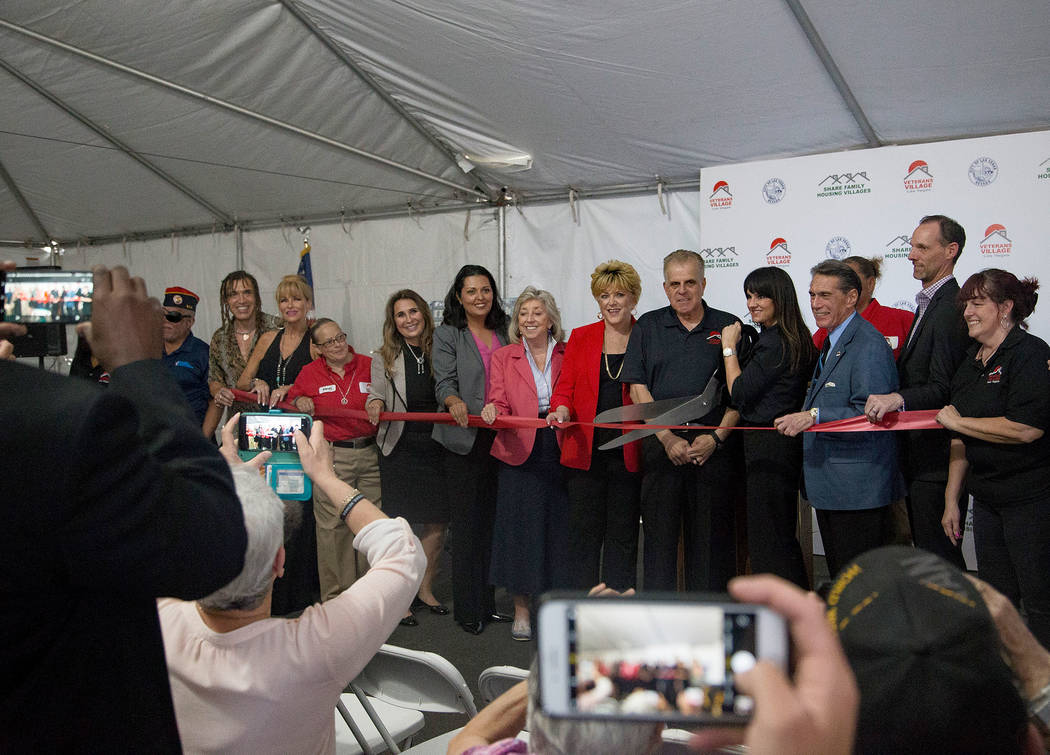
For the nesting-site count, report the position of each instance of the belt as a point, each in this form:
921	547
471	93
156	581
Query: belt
355	442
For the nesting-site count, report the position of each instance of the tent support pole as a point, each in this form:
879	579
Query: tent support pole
107	136
501	260
239	238
262	118
24	204
833	71
372	84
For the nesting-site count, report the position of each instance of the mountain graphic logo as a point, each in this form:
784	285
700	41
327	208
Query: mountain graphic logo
918	177
778	253
721	198
996	243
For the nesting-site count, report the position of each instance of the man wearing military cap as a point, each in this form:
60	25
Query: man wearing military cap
184	354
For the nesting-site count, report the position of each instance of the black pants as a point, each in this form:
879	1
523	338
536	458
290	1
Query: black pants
472	510
603	522
847	534
1013	556
774	472
925	509
696	502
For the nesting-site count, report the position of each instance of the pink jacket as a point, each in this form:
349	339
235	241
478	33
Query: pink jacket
513	391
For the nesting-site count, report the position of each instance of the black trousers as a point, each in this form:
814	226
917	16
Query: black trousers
925	509
603	523
696	502
774	472
472	511
847	534
1013	556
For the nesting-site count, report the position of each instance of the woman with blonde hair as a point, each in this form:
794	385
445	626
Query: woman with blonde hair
603	486
411	462
529	541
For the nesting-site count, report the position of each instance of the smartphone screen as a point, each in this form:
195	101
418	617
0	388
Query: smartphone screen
262	431
670	660
47	296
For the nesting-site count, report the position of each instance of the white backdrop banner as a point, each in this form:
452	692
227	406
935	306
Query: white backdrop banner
796	212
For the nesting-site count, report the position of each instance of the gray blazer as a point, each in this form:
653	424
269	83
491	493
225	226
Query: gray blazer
392	394
458	371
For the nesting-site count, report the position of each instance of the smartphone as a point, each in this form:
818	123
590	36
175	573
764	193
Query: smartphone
670	659
34	296
265	431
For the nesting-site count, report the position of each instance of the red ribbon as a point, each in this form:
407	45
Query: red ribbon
924	419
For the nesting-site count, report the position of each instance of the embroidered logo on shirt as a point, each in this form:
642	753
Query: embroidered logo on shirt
715	337
996	375
326	389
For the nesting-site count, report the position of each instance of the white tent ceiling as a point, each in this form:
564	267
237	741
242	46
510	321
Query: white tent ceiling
143	118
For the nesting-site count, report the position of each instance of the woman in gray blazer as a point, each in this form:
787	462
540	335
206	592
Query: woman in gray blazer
411	464
474	327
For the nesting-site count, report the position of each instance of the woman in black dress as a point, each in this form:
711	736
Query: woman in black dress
411	465
274	365
769	382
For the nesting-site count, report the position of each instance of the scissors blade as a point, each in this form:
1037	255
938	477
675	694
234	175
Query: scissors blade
641	412
685	411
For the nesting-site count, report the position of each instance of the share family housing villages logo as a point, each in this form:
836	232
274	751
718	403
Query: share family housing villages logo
720	257
995	242
720	197
844	184
898	249
1044	170
919	177
778	253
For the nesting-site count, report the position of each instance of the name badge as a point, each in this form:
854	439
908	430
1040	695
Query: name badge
364	387
326	389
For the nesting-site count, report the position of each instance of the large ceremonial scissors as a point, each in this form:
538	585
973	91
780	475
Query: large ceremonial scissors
671	411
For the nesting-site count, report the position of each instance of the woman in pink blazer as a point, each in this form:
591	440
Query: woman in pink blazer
603	486
529	539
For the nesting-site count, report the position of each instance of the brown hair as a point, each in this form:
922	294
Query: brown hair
393	341
1002	286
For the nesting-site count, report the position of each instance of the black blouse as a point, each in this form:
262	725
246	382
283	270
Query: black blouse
767	387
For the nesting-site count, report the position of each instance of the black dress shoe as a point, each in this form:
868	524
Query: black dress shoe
474	627
409	621
499	618
438	608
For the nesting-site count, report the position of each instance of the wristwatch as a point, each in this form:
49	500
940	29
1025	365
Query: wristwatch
815	414
728	352
714	434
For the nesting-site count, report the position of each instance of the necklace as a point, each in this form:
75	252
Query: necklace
605	356
245	334
344	400
419	359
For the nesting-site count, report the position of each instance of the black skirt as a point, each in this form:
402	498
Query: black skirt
413	479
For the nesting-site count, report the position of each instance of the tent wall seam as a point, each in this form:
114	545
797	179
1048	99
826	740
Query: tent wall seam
261	117
832	68
23	202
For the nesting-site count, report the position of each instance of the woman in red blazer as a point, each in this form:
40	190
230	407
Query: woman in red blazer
603	486
529	539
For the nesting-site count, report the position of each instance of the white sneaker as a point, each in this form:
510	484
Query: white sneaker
521	631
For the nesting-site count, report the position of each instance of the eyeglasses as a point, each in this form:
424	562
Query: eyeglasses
175	316
341	338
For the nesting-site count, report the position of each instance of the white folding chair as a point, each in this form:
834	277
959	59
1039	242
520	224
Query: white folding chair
495	680
407	679
356	734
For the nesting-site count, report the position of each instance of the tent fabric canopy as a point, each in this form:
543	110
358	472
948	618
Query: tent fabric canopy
152	118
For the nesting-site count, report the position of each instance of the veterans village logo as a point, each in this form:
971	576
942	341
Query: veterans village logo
983	171
996	375
720	257
995	242
778	253
898	249
844	184
773	190
918	177
720	197
838	247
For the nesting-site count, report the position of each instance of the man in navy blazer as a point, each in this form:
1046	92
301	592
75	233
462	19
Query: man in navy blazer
850	477
935	348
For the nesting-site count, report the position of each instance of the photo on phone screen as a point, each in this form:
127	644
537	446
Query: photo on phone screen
47	296
271	432
655	660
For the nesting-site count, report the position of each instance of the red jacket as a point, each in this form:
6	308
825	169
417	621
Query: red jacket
513	390
893	323
577	388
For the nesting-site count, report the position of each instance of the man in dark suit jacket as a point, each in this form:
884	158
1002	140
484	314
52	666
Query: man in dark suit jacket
850	478
111	499
934	350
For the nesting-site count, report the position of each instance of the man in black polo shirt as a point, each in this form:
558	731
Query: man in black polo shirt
688	485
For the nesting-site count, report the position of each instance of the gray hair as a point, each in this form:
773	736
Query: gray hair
684	257
847	276
264	521
569	736
547	300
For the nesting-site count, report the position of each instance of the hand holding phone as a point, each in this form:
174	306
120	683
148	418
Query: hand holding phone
816	711
274	432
